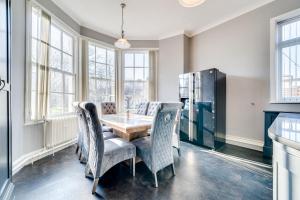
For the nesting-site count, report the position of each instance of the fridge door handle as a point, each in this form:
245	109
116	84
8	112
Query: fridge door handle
2	84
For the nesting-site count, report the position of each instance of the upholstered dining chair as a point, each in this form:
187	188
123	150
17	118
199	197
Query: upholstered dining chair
108	108
176	132
156	150
152	108
84	135
142	108
104	154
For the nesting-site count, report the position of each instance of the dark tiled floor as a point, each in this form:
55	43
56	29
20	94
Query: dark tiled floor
244	153
199	175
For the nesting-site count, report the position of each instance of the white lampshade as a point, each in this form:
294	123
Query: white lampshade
122	43
191	3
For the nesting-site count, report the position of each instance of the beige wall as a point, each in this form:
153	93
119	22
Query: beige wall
240	48
171	64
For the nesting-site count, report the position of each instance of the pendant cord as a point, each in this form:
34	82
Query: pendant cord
122	26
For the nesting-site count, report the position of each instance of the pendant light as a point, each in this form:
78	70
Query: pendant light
122	43
191	3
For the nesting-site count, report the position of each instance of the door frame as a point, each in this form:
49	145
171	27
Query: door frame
8	186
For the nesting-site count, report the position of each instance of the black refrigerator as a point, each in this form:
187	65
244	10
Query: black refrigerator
203	119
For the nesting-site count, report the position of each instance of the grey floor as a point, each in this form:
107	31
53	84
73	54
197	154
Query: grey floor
199	175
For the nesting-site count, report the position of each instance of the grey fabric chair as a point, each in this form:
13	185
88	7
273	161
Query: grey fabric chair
156	150
84	135
108	108
176	132
142	108
104	154
152	108
83	138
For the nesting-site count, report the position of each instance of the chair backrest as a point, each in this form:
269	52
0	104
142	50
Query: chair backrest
142	108
96	138
161	134
152	108
83	128
108	108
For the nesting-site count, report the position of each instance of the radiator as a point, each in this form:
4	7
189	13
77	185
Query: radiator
60	130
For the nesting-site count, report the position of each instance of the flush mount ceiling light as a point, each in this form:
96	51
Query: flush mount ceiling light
191	3
122	43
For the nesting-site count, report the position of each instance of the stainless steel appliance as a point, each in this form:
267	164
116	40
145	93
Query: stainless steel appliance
203	120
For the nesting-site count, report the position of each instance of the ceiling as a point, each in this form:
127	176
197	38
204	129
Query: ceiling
154	19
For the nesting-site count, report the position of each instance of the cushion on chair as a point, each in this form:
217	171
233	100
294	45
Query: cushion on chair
107	129
116	150
108	135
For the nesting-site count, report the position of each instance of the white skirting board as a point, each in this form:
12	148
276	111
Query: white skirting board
245	142
38	154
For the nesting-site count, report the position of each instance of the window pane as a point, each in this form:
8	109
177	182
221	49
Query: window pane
67	44
92	86
34	22
68	101
110	57
139	60
69	84
55	37
56	82
129	74
33	50
101	71
67	63
101	87
91	69
33	77
146	60
139	74
92	52
33	104
129	60
128	88
100	55
55	104
55	58
111	72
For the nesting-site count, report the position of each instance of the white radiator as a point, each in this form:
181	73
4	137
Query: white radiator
60	130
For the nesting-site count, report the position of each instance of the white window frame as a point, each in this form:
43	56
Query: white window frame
122	66
64	27
275	58
107	48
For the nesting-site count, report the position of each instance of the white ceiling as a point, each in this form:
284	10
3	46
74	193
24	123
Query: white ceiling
154	19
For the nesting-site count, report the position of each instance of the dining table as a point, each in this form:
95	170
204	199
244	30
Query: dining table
128	125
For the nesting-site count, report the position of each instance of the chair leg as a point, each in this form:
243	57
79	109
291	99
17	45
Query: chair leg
87	171
179	152
173	169
155	178
133	166
77	148
96	180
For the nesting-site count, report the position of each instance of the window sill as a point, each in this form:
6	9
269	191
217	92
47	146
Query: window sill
278	102
32	123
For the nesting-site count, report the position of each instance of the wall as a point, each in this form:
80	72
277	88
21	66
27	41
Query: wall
172	61
240	48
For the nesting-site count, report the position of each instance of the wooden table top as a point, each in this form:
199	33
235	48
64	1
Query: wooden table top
128	123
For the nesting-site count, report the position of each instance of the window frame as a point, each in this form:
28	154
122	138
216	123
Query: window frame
133	51
107	48
28	70
276	45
